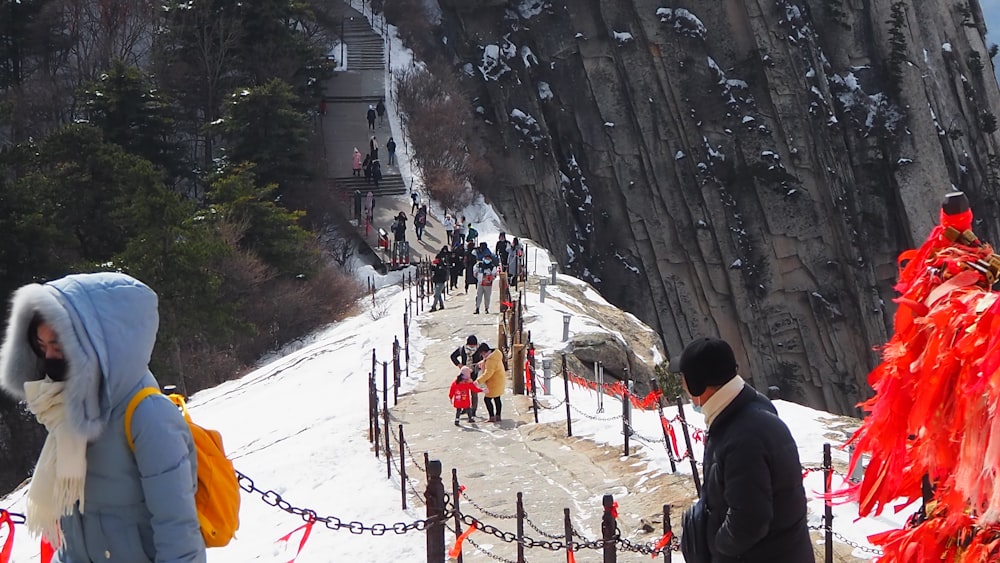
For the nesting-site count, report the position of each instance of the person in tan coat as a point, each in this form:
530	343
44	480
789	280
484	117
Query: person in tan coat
493	375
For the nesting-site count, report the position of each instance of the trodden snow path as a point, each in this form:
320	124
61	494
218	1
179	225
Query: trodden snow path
496	461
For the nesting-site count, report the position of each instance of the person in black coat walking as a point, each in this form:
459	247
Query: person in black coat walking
752	503
371	118
380	110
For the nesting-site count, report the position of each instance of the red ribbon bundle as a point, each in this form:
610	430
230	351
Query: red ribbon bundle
936	409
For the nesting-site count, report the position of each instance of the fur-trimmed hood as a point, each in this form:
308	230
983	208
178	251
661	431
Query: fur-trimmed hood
106	324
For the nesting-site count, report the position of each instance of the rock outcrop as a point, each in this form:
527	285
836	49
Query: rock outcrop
740	168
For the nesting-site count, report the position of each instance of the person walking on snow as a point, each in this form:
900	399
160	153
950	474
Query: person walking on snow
376	171
516	251
371	118
398	227
356	163
493	375
415	198
459	233
500	250
380	110
462	394
390	148
373	147
77	350
469	260
753	505
485	272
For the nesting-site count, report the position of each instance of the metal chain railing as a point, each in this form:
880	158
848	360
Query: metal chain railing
592	417
541	532
529	542
272	498
485	511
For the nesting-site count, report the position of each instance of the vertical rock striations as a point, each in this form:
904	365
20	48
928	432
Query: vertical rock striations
744	168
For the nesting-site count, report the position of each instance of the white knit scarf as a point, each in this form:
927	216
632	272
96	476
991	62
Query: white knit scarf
721	399
61	472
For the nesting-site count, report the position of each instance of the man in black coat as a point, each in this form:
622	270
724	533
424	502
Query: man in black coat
752	495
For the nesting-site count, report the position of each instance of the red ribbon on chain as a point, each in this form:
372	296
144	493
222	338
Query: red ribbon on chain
527	376
8	545
613	510
457	549
305	536
665	540
673	437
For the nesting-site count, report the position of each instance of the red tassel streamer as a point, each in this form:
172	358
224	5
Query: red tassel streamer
456	550
305	536
664	541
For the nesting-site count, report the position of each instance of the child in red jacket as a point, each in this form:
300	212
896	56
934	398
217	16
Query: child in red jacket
461	393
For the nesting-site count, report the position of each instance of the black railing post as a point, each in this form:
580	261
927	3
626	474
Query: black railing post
687	442
534	378
385	418
395	371
402	465
626	414
455	493
827	503
569	417
655	386
372	406
434	496
609	529
520	528
568	527
668	555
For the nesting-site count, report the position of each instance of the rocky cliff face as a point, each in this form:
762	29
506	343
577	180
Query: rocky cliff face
736	167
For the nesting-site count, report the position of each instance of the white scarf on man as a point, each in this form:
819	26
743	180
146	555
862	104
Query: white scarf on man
721	399
61	472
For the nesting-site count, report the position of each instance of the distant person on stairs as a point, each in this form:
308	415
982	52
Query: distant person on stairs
356	163
514	257
449	227
390	149
367	166
457	263
493	375
380	110
486	272
415	198
376	172
459	233
373	146
371	118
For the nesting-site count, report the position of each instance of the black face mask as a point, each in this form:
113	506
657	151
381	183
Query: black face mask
55	368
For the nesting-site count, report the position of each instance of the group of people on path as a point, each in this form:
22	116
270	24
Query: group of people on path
481	370
480	266
369	164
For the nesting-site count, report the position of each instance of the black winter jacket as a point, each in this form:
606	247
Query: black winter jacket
753	486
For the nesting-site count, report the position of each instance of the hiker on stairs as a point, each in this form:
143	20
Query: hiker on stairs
494	376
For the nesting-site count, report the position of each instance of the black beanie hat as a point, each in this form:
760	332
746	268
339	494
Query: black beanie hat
705	362
471	340
484	347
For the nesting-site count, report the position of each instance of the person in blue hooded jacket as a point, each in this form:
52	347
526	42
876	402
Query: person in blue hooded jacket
77	349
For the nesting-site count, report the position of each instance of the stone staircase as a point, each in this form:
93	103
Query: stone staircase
391	184
365	48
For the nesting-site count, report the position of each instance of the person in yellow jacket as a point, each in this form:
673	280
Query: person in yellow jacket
493	375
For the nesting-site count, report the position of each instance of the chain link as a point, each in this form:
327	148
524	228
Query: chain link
540	531
529	542
485	511
15	518
272	498
592	417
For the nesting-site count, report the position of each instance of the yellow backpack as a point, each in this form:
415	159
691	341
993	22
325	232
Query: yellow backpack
218	494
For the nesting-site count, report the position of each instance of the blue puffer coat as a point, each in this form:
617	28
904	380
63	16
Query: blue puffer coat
139	507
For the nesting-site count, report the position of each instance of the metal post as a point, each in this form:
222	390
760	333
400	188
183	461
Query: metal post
552	271
385	417
568	527
547	375
655	386
569	419
406	341
402	465
378	429
434	496
372	406
533	378
626	415
687	442
827	503
395	371
541	290
599	379
668	555
566	319
455	492
342	41
520	528
609	529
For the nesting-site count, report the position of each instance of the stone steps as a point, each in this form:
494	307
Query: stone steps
391	184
